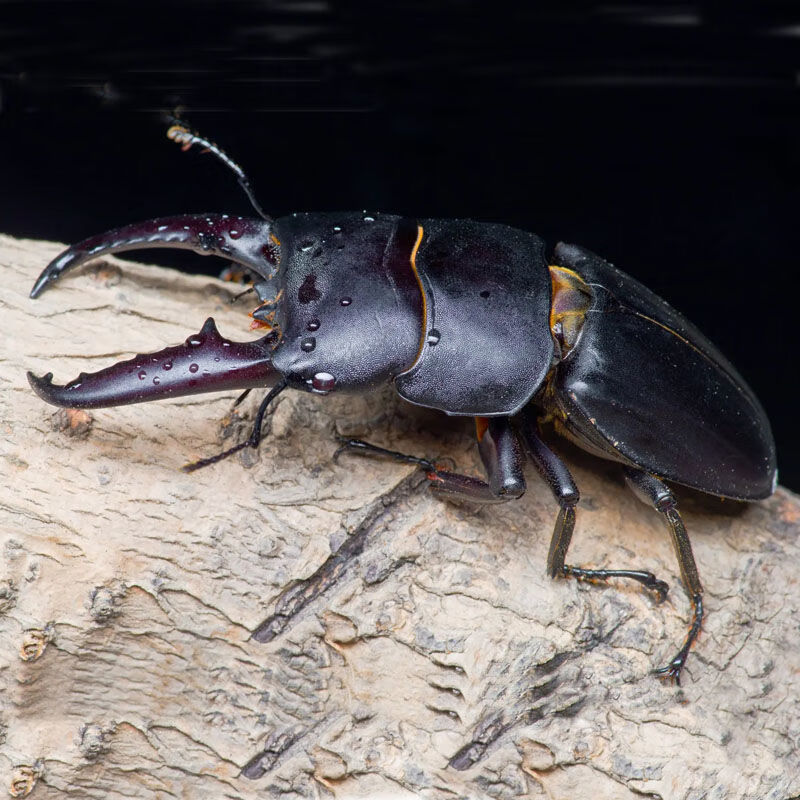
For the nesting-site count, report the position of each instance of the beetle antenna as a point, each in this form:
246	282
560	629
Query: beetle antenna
185	136
252	441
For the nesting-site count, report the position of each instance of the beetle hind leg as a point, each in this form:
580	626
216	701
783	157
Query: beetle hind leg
651	490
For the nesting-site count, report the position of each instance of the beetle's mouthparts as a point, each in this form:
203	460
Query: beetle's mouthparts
247	242
205	362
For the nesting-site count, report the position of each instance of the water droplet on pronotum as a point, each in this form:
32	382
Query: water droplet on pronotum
313	325
323	382
433	337
345	301
308	344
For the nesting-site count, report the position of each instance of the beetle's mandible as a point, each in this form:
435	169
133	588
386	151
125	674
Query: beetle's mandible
472	319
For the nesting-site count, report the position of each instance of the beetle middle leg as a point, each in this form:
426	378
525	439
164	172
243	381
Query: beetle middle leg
562	485
500	453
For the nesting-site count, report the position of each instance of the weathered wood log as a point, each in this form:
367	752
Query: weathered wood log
415	648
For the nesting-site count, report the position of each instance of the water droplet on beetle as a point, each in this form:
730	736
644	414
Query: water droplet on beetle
369	219
234	233
141	374
337	229
195	340
313	325
156	380
345	301
323	382
305	246
308	344
433	337
167	365
193	367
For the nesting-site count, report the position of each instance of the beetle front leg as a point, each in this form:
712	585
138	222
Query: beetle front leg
500	453
562	485
651	490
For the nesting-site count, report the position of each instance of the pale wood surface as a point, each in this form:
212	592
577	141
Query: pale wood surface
407	628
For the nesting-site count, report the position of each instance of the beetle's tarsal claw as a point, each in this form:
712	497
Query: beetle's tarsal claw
205	362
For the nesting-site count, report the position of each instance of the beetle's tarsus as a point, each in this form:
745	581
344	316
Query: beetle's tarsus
365	448
673	670
647	579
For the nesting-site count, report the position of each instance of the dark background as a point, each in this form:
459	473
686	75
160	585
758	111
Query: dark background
666	137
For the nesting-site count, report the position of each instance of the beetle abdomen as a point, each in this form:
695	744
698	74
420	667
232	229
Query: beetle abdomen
652	387
487	344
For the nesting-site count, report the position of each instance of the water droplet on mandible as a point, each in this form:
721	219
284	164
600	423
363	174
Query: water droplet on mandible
313	325
345	301
433	337
193	368
195	340
323	382
141	374
369	219
167	365
156	380
308	344
234	234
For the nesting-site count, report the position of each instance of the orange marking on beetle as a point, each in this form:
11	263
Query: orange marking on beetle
420	233
275	239
481	426
571	300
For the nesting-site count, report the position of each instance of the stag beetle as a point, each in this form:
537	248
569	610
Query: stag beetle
472	319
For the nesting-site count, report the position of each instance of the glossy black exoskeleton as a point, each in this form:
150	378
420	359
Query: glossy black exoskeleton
472	319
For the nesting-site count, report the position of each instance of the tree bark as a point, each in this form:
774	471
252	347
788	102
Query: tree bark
415	648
